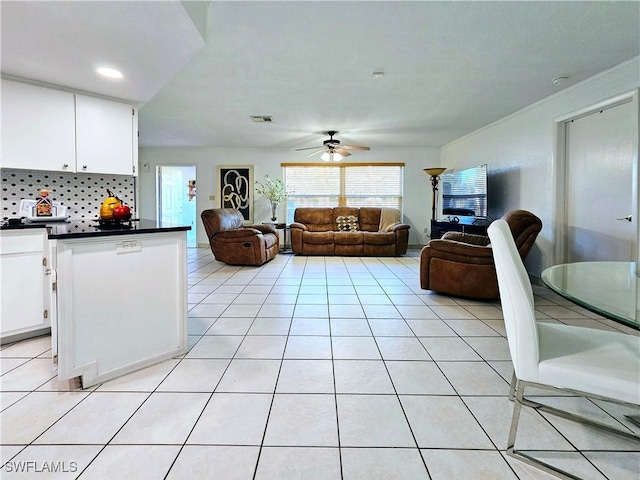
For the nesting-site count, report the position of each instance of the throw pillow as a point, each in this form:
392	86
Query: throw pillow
347	223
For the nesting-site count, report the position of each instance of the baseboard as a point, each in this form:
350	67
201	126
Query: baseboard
24	336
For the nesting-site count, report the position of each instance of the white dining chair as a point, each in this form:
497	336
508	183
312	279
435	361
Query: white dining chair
584	361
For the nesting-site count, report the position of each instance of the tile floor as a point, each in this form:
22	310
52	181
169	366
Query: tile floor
306	368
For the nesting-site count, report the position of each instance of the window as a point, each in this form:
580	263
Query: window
344	185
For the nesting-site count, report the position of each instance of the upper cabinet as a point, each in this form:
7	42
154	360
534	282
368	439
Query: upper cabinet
47	129
106	136
38	128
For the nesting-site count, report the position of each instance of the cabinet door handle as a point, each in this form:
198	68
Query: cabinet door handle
66	165
628	218
84	167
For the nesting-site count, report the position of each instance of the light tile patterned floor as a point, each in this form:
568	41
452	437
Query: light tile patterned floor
307	368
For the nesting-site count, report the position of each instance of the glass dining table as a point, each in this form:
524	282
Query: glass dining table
611	289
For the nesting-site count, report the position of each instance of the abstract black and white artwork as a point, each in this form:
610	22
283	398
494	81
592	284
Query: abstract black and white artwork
236	189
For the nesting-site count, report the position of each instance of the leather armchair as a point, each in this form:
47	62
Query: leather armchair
462	264
236	244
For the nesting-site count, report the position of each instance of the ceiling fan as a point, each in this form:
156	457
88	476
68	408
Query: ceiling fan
332	150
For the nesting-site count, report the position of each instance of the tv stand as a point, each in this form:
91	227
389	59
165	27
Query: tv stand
472	225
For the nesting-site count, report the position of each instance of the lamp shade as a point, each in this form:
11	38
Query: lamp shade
434	171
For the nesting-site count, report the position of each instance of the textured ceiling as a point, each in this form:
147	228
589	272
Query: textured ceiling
450	67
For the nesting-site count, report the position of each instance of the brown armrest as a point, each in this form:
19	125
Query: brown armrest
469	238
266	228
462	249
239	233
398	226
298	225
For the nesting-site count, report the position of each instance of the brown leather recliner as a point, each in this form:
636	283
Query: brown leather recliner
236	244
462	264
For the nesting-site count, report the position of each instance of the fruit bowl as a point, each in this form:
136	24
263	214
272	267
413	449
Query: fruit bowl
122	218
114	222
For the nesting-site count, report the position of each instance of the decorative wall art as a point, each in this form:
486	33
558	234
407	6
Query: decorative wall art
236	189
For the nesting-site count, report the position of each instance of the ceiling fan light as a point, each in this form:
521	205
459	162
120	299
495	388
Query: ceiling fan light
331	157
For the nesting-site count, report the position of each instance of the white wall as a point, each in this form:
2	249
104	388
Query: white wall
417	189
519	151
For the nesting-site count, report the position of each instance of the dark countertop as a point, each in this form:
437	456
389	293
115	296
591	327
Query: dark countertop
91	228
22	226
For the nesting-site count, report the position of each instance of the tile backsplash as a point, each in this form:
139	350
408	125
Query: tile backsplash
82	193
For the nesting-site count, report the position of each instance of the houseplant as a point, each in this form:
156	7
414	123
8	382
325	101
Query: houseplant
272	190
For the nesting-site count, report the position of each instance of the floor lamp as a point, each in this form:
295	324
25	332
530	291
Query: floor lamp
434	172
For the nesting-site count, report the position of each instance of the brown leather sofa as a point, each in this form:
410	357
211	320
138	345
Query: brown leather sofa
236	244
462	264
315	232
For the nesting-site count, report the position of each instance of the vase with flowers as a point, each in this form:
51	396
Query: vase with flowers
274	191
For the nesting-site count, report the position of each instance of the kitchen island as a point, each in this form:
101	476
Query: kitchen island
119	297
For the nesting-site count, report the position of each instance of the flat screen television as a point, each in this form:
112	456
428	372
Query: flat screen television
464	192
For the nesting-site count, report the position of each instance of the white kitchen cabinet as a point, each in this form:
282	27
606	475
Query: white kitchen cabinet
38	128
26	289
106	136
59	131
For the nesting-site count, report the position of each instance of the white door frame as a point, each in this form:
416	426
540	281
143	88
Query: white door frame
559	219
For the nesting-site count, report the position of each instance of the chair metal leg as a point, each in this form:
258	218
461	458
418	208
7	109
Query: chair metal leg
513	387
515	419
517	407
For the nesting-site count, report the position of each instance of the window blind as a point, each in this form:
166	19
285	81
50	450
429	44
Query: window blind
351	185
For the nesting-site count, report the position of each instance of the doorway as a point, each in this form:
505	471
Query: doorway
176	198
598	200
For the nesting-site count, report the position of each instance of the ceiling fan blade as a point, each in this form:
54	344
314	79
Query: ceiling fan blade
342	152
316	152
308	148
354	147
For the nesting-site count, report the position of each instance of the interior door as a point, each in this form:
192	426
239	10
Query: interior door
177	198
599	186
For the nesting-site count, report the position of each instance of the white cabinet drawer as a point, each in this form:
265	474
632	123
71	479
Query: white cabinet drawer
20	242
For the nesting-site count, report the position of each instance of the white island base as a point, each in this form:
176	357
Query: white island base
121	303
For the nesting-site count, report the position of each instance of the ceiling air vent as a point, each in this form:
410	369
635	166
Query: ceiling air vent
261	118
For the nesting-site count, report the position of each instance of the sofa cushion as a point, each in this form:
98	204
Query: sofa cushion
317	238
369	219
347	223
315	219
348	238
379	238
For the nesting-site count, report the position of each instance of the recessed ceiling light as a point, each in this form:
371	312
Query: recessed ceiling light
377	74
109	72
